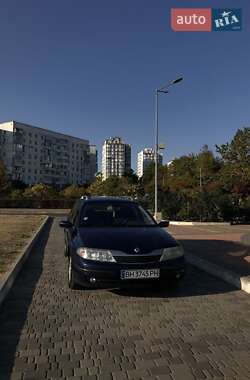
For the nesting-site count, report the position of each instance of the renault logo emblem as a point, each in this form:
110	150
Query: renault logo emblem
136	250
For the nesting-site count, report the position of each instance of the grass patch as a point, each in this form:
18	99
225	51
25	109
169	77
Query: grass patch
15	232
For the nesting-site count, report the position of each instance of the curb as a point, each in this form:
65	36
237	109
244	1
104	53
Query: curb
31	211
245	239
9	278
240	282
175	223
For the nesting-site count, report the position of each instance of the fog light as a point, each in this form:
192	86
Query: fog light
178	275
92	280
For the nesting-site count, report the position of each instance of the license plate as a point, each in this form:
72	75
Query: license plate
139	273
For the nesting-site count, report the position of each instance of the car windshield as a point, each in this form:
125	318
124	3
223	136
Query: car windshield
115	214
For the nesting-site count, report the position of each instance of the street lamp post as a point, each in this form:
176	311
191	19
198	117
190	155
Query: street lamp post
163	89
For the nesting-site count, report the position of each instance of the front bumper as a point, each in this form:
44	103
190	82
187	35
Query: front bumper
90	273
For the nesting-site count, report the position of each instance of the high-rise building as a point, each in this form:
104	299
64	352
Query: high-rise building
116	158
37	155
93	167
145	158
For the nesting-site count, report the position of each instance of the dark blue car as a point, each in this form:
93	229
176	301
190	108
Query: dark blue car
114	241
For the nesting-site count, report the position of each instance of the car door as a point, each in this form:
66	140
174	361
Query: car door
72	218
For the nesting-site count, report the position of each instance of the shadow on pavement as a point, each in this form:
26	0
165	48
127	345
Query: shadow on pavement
195	283
231	255
13	311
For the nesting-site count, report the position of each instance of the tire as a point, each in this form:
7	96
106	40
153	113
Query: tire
66	249
71	280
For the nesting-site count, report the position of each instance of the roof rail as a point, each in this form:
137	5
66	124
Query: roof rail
119	197
108	196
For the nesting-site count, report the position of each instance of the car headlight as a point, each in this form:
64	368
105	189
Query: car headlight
172	253
96	254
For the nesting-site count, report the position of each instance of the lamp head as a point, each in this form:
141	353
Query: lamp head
177	80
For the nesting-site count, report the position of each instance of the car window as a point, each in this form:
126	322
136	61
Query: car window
114	214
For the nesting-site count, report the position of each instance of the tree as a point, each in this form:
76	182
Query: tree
16	194
115	186
18	184
96	187
238	150
73	191
131	177
207	169
183	173
40	191
235	174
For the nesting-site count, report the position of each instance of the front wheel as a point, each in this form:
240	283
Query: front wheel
66	249
71	280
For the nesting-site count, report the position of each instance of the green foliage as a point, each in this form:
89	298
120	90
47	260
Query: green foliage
238	150
235	173
131	177
115	186
16	194
40	191
73	192
202	186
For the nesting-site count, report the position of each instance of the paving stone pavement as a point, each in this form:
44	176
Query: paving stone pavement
226	246
199	331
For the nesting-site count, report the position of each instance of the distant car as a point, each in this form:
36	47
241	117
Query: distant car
240	220
114	241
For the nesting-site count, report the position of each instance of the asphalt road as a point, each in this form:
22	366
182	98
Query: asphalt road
199	331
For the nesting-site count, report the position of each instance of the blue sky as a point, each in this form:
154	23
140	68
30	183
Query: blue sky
89	68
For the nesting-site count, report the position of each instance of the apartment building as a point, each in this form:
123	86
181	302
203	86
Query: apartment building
116	158
93	160
37	155
145	158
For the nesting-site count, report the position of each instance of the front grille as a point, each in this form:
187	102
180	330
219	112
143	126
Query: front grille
139	259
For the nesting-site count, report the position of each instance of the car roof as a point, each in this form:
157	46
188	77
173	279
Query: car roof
107	199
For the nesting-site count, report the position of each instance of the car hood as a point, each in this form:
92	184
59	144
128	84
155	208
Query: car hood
126	239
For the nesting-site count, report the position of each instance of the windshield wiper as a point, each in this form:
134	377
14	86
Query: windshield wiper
135	225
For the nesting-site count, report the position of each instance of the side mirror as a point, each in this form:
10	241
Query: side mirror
65	224
163	223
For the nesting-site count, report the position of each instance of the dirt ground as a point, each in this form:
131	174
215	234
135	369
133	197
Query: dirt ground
15	231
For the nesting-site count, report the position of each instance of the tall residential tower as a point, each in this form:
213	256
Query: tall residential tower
145	158
116	158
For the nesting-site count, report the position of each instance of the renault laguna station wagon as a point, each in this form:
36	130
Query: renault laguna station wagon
114	241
